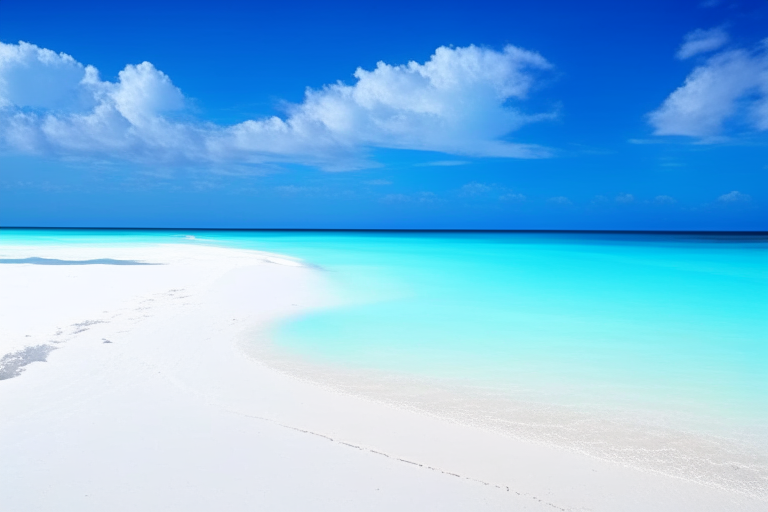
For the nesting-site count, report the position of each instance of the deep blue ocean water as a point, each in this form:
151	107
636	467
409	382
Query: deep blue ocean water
669	328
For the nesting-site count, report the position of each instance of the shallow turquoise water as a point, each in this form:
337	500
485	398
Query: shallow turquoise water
675	321
662	324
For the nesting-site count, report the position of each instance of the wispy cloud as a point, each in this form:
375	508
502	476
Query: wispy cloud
462	101
734	197
708	4
293	189
445	163
475	189
421	197
664	200
377	183
702	41
625	198
561	200
671	163
730	86
512	197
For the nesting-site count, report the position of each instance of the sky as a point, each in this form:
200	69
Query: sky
647	115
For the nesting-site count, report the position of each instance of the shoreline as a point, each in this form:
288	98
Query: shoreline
178	391
692	456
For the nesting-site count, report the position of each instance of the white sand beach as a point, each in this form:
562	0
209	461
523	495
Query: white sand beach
148	401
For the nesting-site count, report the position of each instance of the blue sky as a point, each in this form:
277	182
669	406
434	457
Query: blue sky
489	115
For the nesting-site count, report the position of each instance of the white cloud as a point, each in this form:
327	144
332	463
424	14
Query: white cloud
378	183
446	163
625	198
702	41
734	197
645	141
395	198
513	197
292	189
462	101
421	197
665	200
731	86
474	189
40	78
560	200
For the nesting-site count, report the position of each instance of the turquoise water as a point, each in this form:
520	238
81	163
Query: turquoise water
681	321
673	328
675	319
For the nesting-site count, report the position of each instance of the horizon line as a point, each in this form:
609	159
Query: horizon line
408	230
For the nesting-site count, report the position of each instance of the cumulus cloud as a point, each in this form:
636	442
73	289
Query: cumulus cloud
734	197
702	41
731	86
462	101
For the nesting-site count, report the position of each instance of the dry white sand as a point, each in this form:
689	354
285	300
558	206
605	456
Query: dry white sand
148	402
